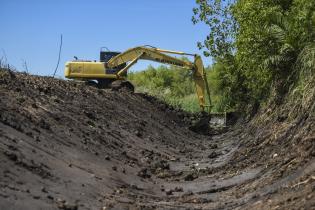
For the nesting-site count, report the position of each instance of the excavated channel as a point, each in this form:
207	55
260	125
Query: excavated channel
64	145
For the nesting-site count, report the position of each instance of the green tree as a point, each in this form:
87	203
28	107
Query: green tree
270	42
222	27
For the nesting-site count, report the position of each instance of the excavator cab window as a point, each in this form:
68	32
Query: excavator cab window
105	56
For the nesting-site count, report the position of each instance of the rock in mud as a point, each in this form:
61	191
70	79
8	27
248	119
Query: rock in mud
50	197
44	190
160	165
213	146
12	156
191	176
213	155
36	197
67	206
178	189
144	173
169	192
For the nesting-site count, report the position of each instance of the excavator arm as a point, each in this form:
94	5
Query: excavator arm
144	53
132	55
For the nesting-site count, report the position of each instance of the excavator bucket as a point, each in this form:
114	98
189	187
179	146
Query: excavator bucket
201	124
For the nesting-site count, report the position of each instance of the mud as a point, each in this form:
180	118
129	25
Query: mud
65	145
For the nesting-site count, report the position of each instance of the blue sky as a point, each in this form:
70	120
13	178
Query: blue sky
30	30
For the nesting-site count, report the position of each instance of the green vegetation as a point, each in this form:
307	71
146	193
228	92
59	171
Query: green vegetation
172	84
261	50
262	47
175	86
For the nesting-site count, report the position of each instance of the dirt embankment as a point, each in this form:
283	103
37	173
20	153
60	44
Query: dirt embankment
64	145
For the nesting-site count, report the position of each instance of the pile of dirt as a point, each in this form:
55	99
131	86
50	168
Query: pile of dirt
64	145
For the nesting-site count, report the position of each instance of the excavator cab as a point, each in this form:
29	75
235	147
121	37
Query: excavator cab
106	55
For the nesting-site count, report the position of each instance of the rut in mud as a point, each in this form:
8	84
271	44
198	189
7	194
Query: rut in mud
64	145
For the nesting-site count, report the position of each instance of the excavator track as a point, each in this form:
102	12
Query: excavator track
111	84
122	84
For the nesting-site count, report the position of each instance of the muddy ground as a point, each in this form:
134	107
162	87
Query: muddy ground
64	145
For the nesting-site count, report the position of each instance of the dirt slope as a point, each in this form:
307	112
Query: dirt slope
64	145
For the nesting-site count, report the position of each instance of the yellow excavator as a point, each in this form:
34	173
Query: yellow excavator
111	70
